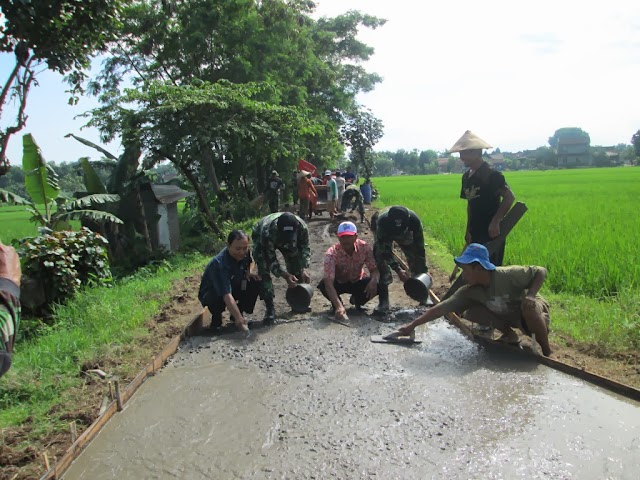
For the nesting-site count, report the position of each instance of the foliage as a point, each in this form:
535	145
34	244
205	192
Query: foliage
64	261
566	132
635	141
361	130
41	184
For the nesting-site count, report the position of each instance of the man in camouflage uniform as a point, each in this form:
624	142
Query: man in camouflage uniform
10	275
401	225
352	197
289	234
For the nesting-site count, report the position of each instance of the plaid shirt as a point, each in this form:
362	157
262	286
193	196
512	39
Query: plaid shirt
342	267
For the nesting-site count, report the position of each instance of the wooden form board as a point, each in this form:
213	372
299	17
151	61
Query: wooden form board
154	365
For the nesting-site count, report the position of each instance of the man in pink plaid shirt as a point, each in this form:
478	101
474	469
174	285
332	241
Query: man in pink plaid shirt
344	272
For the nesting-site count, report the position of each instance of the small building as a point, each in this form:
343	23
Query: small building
161	211
497	160
573	151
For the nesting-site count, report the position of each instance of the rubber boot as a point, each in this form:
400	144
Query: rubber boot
216	322
270	313
383	300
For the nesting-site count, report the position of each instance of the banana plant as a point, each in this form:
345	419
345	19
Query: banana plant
41	184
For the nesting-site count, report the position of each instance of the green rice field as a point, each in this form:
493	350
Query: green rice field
582	225
14	223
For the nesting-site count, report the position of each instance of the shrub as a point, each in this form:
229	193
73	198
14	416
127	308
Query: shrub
63	261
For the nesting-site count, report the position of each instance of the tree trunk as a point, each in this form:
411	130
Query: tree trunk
210	172
143	218
202	200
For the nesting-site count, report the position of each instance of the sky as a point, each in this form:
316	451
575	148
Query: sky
512	72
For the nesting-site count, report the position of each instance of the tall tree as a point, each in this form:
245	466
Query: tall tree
566	132
62	34
361	131
635	141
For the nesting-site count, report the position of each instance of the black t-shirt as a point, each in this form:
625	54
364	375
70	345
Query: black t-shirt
275	184
482	191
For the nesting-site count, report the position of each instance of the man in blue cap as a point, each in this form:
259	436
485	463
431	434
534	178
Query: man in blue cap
503	297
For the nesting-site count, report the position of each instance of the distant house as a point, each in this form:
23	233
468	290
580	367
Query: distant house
496	159
573	150
450	165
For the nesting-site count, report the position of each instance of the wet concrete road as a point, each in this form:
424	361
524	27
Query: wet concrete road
313	399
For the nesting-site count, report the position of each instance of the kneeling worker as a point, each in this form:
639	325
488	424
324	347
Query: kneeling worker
344	273
503	297
228	282
352	198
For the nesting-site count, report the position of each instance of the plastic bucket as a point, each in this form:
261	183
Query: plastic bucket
418	287
365	188
299	297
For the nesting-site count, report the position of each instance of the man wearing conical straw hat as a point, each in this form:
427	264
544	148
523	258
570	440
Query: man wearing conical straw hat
488	196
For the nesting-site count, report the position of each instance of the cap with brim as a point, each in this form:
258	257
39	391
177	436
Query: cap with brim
469	141
328	172
274	172
475	253
287	227
347	228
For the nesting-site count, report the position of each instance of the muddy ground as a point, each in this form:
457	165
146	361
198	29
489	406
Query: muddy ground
326	356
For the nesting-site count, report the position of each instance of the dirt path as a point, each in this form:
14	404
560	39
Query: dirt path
309	398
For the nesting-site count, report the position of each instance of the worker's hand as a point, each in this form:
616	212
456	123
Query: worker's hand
341	313
454	274
467	238
241	324
403	275
494	228
371	289
291	279
305	277
405	330
253	276
10	264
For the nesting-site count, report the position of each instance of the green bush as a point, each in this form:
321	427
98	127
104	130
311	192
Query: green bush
64	261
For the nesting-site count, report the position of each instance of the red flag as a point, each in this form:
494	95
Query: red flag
304	165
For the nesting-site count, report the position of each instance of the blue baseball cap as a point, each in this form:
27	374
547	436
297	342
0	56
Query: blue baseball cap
476	253
347	228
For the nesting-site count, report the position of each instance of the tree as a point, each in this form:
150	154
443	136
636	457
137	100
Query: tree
62	34
635	141
361	131
566	132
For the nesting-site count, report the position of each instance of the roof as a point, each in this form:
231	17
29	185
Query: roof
169	193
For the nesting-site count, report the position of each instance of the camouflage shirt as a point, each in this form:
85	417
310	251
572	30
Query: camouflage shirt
9	314
385	236
267	239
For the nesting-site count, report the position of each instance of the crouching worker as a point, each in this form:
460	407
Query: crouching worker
289	234
352	198
400	225
10	276
227	282
344	273
502	297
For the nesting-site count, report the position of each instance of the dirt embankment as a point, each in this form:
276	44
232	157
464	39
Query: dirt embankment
21	455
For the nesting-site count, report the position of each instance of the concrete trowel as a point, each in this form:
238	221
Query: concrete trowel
396	337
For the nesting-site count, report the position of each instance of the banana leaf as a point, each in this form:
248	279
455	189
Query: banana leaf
7	197
41	181
92	181
90	200
96	215
92	145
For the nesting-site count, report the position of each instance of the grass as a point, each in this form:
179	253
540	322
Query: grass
15	223
581	225
96	321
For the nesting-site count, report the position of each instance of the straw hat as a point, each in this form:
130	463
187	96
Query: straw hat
303	173
469	141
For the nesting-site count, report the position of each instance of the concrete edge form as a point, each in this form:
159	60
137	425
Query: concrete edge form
61	466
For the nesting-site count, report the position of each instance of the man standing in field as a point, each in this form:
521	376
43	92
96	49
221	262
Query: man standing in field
488	196
503	298
272	192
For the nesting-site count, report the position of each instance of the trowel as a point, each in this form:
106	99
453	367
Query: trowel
396	337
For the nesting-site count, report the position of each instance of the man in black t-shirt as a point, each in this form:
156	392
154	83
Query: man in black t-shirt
272	192
488	196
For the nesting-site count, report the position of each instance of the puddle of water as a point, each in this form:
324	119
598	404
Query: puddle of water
299	401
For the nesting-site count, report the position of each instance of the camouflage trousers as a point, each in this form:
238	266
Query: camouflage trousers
293	263
415	258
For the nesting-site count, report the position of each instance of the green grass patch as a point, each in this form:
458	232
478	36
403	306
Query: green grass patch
15	224
582	225
94	322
